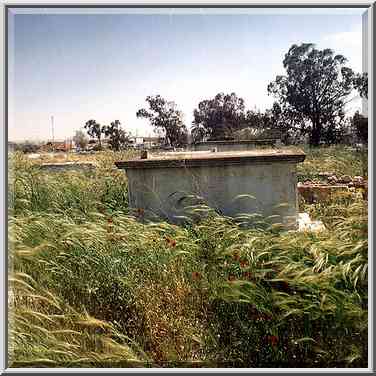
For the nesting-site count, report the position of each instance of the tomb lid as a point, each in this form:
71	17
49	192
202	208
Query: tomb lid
210	159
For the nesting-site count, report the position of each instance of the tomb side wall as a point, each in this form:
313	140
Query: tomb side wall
162	190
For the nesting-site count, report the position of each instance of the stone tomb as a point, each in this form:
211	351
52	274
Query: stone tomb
67	166
233	183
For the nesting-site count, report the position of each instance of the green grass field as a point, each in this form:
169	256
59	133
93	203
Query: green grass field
90	286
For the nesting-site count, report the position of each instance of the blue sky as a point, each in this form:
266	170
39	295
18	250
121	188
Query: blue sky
102	66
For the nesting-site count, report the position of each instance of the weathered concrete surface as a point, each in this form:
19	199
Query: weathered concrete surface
68	166
319	193
159	185
234	145
305	223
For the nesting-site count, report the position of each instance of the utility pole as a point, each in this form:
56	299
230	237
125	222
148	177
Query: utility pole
53	136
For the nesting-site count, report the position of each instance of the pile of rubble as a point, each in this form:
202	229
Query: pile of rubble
313	191
356	181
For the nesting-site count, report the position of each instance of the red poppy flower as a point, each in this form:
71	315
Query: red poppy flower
253	311
236	255
196	276
140	211
244	263
171	242
273	340
285	285
247	275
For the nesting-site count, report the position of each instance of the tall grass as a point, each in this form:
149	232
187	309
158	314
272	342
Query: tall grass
91	286
339	160
32	189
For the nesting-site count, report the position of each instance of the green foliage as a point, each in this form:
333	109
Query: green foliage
117	138
76	193
46	332
163	115
94	130
315	86
360	125
26	146
219	117
361	84
337	160
80	139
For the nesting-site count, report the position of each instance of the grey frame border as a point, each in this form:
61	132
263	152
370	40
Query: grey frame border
369	6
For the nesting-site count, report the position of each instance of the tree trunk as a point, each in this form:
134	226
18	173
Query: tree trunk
315	133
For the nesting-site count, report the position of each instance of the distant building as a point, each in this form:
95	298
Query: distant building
151	141
146	142
12	146
62	146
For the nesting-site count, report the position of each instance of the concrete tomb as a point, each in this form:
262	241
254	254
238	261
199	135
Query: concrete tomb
67	166
261	182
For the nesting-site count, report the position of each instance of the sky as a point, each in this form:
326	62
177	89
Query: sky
77	67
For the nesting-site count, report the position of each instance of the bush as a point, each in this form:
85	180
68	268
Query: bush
360	123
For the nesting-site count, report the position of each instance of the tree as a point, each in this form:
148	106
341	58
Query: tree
163	115
257	120
117	136
361	84
198	133
360	122
94	130
276	122
316	86
360	125
80	139
256	124
290	124
218	118
27	147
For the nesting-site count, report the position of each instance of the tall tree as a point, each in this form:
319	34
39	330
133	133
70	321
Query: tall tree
80	139
117	138
288	123
316	85
360	125
361	84
163	115
218	118
256	124
94	130
360	122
